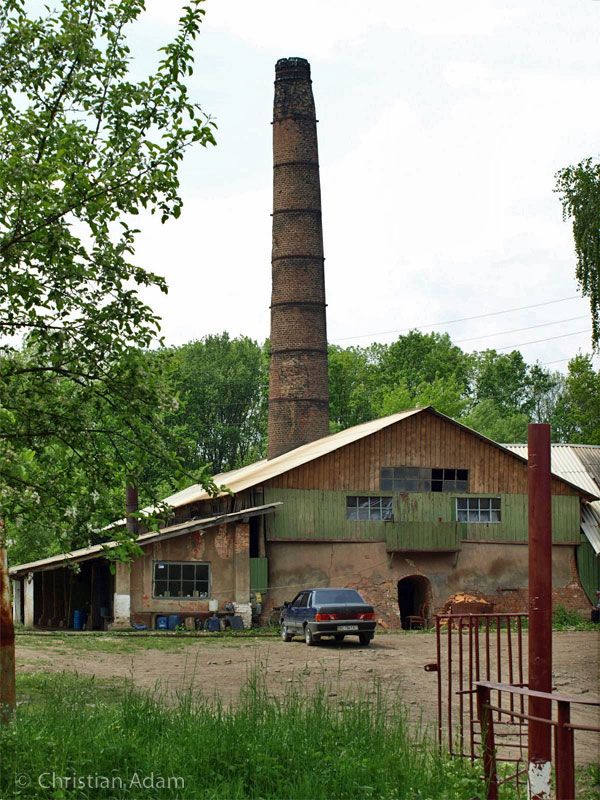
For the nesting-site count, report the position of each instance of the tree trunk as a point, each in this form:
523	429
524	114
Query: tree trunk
7	639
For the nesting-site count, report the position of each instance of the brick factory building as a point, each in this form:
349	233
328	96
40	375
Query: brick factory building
409	509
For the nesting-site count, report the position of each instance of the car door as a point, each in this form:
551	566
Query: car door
291	616
303	610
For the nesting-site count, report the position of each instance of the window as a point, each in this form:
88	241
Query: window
478	509
371	508
181	579
301	600
424	479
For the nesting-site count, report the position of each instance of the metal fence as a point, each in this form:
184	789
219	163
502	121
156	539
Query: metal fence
489	713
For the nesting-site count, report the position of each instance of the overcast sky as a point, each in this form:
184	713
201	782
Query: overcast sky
441	126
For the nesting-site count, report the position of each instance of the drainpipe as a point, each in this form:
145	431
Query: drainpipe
540	608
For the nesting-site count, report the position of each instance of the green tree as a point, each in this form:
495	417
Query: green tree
544	390
501	377
577	416
84	148
353	386
579	190
491	420
219	383
421	358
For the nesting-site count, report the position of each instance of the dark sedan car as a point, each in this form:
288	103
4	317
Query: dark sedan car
314	613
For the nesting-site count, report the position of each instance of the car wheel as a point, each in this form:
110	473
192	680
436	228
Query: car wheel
365	639
308	637
286	636
339	637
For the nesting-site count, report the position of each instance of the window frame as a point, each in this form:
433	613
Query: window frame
407	479
366	504
473	505
201	596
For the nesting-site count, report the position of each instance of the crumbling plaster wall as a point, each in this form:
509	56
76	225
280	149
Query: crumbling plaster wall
225	547
496	572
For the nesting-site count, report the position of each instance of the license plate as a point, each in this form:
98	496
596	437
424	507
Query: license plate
347	627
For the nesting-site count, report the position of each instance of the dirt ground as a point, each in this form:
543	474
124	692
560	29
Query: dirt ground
221	665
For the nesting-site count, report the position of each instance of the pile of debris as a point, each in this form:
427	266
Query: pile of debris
462	603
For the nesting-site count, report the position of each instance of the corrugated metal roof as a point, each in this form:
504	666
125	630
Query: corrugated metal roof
567	462
579	464
590	524
85	553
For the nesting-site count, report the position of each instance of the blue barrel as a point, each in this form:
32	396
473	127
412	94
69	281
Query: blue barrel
174	621
78	620
161	623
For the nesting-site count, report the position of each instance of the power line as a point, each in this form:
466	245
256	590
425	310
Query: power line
548	339
453	321
518	330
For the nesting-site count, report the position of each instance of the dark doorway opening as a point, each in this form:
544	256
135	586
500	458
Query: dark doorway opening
414	600
60	592
254	537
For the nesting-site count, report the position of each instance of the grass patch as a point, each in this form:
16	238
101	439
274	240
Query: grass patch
107	642
588	782
301	745
565	620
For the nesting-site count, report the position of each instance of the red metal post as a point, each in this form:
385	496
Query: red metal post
486	723
7	640
565	754
540	606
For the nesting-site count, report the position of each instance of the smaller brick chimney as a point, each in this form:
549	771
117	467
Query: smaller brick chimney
298	388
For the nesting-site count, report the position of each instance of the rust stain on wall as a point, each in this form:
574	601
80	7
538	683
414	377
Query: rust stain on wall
197	546
224	542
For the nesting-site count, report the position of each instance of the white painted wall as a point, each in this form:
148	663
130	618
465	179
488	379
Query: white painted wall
122	597
28	587
17	617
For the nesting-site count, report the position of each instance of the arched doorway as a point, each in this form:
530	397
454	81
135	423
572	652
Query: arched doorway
414	598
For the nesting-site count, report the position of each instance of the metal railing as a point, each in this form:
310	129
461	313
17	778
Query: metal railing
476	647
564	729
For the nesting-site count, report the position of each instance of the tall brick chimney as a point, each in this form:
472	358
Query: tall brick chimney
298	389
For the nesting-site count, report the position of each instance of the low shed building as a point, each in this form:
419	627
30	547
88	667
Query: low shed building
409	509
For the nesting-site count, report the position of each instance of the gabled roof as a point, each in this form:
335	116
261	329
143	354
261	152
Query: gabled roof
254	474
244	478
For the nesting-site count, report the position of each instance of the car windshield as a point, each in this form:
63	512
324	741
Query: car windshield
325	596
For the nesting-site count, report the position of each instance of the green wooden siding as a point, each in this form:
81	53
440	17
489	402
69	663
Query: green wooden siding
259	574
315	514
423	536
588	566
566	519
421	520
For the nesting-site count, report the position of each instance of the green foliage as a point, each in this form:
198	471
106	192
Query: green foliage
221	405
565	619
353	386
263	746
492	421
579	190
83	149
420	358
578	412
501	377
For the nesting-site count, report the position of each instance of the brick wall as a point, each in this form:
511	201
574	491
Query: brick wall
298	388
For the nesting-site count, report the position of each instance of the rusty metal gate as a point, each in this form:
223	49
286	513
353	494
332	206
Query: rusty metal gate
480	647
